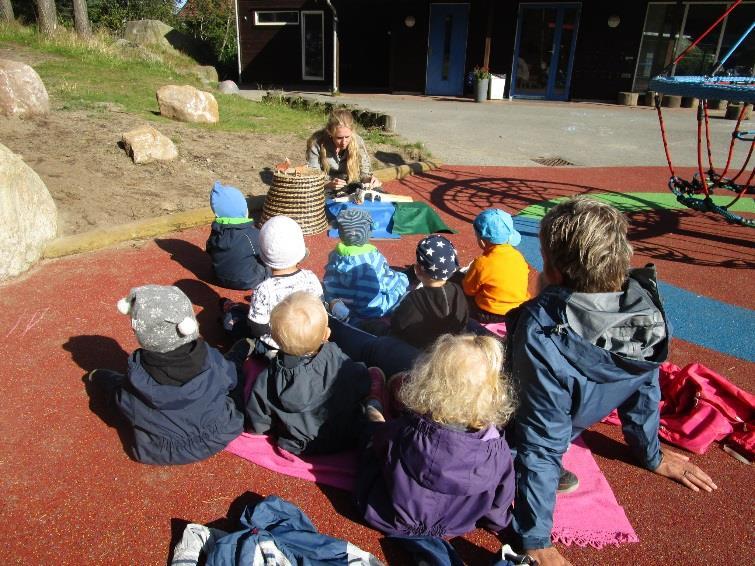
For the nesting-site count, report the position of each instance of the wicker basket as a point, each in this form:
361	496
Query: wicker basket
300	196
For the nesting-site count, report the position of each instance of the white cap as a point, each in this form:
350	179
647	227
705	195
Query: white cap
281	242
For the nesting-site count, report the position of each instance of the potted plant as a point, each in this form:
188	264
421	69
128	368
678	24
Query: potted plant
481	79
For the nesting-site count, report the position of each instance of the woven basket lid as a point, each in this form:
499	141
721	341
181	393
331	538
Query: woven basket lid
300	196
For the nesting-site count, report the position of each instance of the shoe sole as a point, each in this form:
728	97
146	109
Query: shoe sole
570	489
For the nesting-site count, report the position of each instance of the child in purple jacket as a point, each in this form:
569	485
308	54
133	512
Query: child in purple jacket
444	466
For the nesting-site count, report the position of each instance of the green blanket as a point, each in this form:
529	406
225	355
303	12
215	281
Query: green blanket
417	218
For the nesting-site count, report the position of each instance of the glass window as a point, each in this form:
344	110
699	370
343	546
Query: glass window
661	40
701	58
269	18
742	61
313	45
657	46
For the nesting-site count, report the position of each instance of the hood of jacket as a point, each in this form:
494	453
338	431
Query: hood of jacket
628	327
311	383
171	397
450	461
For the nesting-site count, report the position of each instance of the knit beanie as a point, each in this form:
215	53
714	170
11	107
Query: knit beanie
162	317
497	227
281	242
437	257
228	202
354	226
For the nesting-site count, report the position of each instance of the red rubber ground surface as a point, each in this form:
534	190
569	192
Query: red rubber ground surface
72	496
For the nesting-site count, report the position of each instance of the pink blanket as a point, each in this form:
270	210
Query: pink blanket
588	516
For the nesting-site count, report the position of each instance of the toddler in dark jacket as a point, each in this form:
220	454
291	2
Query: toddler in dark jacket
233	244
310	398
177	393
436	307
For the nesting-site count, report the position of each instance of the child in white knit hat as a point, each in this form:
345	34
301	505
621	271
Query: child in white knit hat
281	248
178	393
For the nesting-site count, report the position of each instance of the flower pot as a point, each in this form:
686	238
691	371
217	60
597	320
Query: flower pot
481	90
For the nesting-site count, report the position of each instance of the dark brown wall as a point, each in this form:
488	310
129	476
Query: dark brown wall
378	52
271	55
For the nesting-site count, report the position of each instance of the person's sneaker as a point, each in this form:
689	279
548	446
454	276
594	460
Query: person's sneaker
567	482
376	395
240	351
339	310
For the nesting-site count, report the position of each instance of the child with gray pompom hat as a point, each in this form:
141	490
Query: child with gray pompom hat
178	393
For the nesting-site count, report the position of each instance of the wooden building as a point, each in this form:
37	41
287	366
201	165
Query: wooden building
551	50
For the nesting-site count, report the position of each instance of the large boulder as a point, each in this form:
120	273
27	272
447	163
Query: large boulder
28	216
22	92
206	73
148	32
187	104
228	87
145	144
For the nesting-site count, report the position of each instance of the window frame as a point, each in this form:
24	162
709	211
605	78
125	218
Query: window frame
257	21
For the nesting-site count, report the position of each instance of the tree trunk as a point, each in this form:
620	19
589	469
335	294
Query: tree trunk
47	16
81	18
6	11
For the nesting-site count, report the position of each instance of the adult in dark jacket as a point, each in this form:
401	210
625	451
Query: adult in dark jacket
591	342
233	244
310	397
444	467
177	394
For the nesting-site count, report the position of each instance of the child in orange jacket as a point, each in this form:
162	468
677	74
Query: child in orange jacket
497	280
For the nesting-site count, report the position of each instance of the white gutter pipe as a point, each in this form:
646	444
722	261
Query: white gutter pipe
335	47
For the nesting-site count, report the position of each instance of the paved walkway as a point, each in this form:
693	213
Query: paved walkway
513	133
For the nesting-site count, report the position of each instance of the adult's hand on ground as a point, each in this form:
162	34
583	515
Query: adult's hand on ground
548	557
678	467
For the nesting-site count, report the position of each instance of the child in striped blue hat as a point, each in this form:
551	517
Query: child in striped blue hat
358	274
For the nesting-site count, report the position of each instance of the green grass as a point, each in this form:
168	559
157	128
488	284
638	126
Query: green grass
78	74
82	74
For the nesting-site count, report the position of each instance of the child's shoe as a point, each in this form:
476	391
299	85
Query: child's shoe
376	396
240	351
395	382
339	310
567	482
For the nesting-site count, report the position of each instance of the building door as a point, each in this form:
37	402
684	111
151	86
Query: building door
447	48
544	51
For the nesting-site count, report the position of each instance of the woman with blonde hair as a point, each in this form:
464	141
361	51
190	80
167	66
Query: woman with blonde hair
340	152
444	466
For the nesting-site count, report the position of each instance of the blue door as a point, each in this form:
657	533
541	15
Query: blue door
447	48
544	51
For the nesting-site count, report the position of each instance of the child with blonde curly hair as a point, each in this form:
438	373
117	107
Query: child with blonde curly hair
444	466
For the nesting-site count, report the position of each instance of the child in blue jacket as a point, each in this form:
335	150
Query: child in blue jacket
233	244
177	396
591	342
358	274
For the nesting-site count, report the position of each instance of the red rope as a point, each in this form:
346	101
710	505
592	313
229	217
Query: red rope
745	187
707	133
663	134
747	161
706	32
731	145
700	153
